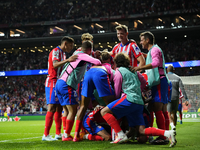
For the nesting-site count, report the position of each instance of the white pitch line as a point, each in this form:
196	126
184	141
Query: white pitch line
20	133
21	139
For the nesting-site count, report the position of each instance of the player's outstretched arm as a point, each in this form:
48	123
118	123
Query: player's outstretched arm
57	64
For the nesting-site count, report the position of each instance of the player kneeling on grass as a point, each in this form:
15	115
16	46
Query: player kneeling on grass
97	77
130	105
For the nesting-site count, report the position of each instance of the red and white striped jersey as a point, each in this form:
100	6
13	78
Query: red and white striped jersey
54	73
130	48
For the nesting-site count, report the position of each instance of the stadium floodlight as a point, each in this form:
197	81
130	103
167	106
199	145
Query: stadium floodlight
198	15
2	34
59	28
140	22
77	27
20	31
165	37
160	19
98	25
181	18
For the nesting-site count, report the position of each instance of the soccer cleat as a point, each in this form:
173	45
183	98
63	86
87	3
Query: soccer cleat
58	136
76	139
159	141
69	138
181	122
120	139
172	138
48	138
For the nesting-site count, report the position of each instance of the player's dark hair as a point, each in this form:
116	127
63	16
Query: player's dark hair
122	60
170	68
148	35
86	45
67	39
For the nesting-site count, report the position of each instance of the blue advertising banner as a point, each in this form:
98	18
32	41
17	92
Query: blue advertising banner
180	64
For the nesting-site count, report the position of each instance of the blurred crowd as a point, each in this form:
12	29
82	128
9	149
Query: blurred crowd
24	94
23	11
181	50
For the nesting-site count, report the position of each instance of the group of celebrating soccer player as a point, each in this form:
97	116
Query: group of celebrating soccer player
107	93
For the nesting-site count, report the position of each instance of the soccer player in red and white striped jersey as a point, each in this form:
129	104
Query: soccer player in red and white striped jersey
55	62
127	46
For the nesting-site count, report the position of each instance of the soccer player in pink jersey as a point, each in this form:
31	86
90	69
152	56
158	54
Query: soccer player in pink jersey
155	66
67	84
130	105
127	46
55	62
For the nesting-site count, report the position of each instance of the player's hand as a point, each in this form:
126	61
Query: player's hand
134	69
186	103
72	58
97	53
98	107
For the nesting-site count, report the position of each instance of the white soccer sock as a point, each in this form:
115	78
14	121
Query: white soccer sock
167	133
86	136
172	125
120	134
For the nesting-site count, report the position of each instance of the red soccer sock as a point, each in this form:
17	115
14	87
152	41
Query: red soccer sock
8	118
166	115
64	122
154	132
160	120
48	122
78	127
58	121
180	115
152	118
112	121
95	137
69	125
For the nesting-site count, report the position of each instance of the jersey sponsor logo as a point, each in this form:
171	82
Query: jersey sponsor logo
56	54
2	73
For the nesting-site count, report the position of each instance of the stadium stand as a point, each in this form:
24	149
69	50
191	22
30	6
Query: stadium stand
40	23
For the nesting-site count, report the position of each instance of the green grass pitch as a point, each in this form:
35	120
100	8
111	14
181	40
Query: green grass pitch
27	135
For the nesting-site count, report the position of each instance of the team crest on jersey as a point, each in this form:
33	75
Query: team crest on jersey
56	54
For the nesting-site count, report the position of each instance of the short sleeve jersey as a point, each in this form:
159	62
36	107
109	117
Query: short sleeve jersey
130	48
54	73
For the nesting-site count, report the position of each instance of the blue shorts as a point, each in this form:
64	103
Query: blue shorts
51	97
96	78
66	94
90	126
8	114
160	92
132	111
79	90
179	107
